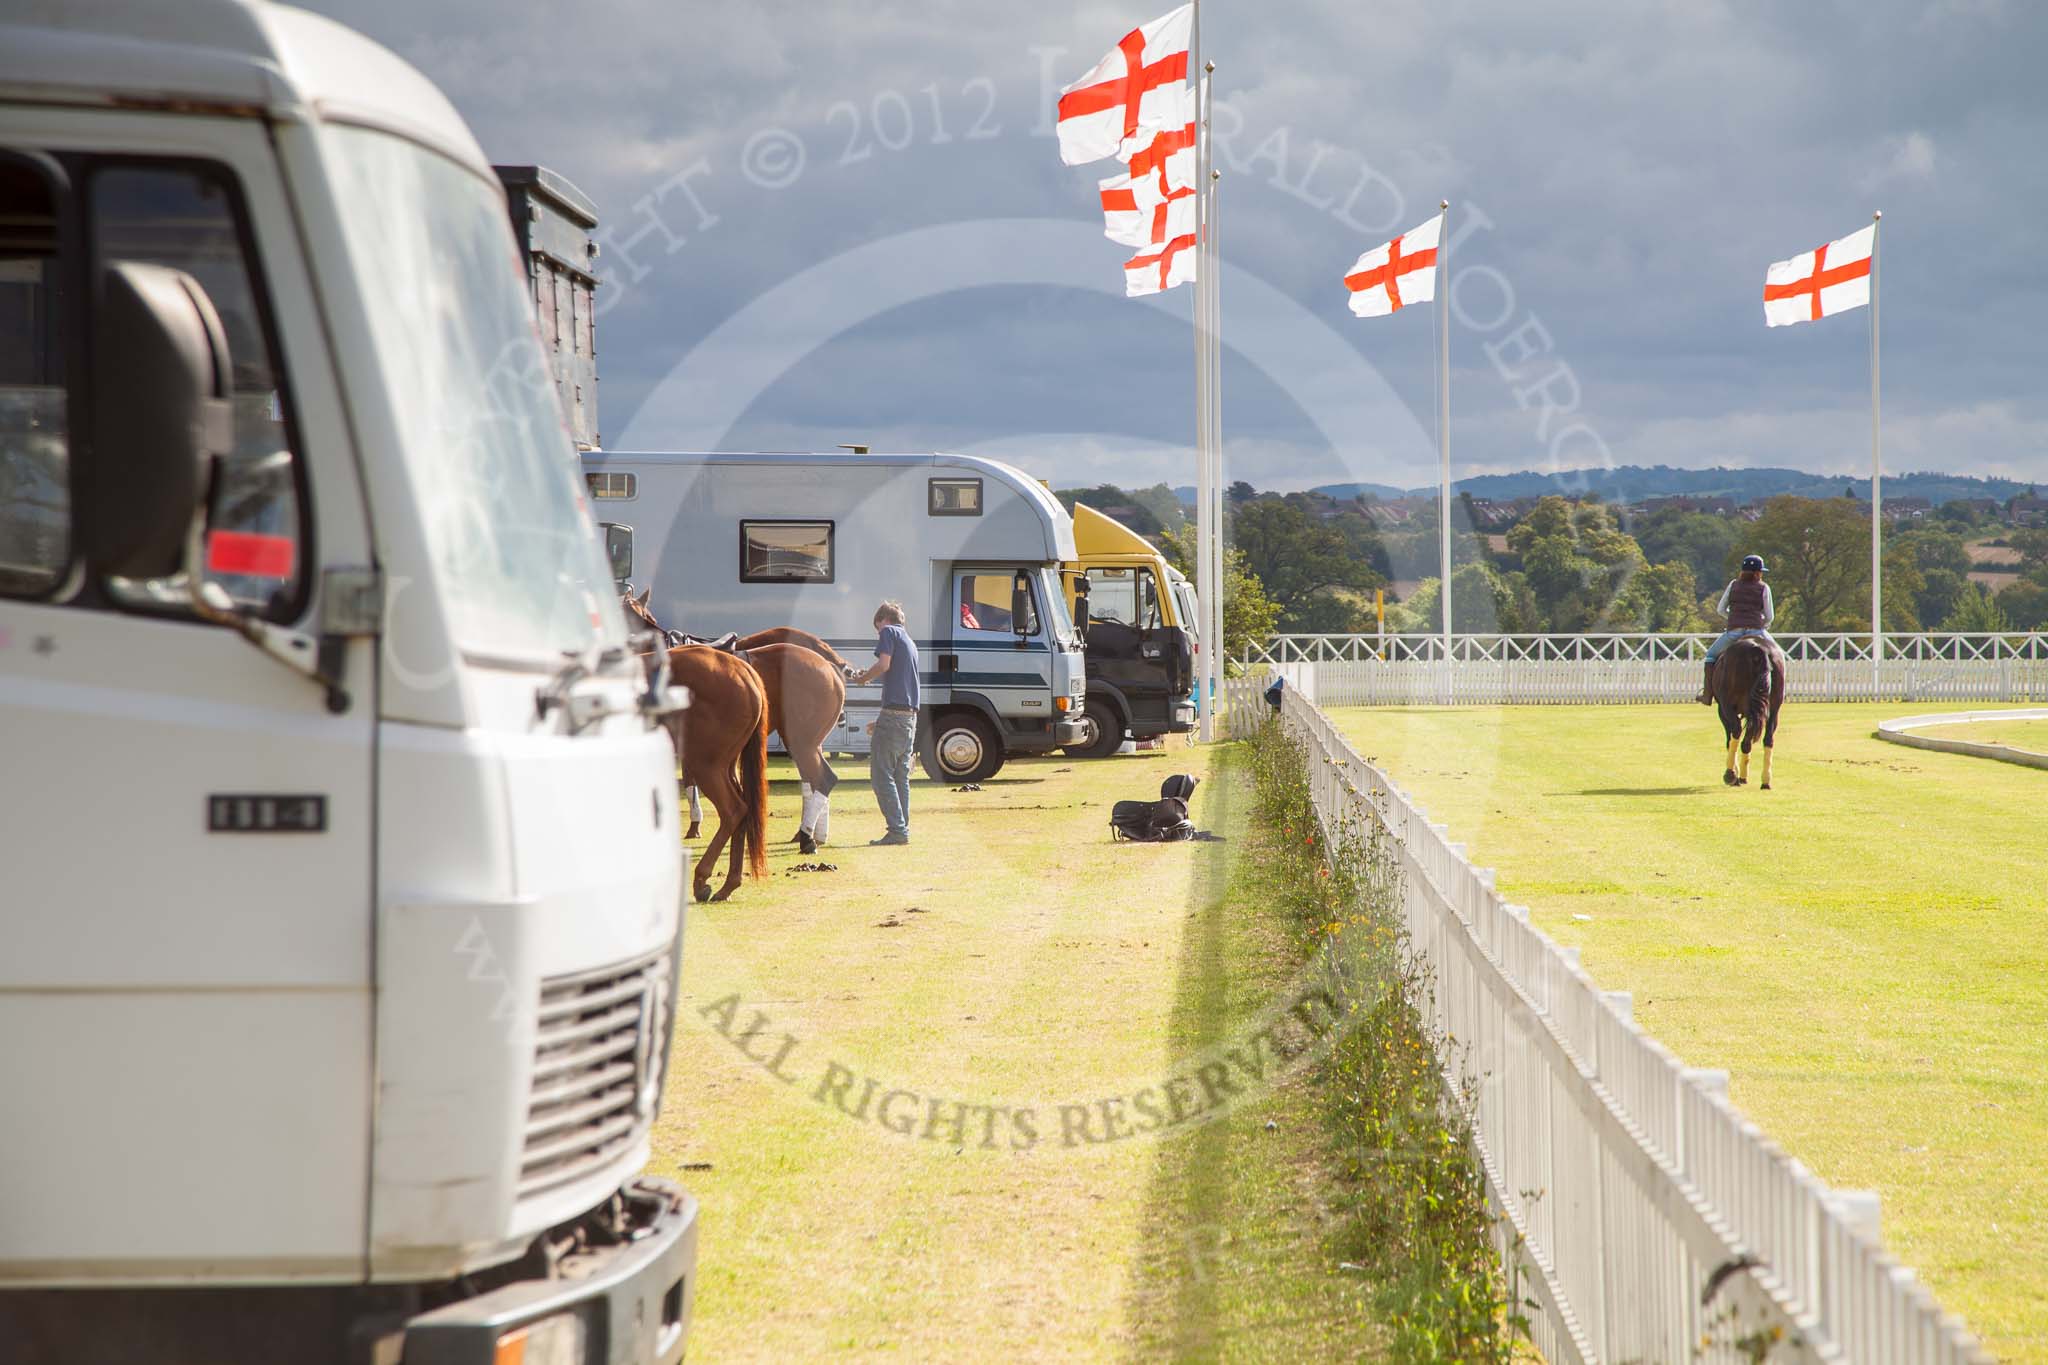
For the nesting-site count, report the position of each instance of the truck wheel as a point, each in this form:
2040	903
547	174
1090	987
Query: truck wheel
960	746
1105	732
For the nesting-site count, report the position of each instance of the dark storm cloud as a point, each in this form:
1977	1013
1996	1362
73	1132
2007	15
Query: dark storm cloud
1638	164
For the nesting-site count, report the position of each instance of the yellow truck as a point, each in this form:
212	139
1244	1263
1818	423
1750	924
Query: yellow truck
1141	636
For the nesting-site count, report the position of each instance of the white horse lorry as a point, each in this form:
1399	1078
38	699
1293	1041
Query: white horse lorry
972	548
342	868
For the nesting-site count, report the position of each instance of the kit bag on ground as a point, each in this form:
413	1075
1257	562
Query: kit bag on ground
1151	822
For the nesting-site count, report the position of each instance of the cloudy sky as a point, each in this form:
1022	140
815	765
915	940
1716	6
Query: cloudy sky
849	222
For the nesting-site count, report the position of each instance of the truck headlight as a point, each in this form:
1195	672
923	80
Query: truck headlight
559	1340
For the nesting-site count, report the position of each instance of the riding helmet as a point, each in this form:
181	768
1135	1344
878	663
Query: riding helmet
1754	562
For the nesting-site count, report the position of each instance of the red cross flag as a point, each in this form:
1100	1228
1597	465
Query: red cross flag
1389	278
1139	89
1136	212
1815	284
1169	161
1170	259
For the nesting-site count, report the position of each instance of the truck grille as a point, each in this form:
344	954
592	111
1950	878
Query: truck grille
595	1069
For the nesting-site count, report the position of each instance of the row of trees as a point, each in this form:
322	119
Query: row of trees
1307	563
1570	568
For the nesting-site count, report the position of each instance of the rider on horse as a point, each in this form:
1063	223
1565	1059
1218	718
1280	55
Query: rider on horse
1746	602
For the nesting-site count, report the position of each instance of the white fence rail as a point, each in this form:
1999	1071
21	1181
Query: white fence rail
1625	1181
1367	670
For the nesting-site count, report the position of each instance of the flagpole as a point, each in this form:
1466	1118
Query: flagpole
1205	587
1876	485
1213	284
1443	296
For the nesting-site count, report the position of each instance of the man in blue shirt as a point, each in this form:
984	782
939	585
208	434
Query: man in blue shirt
895	729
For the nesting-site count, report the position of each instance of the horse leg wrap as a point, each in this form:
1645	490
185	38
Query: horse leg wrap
818	815
1733	745
1744	773
1767	765
696	808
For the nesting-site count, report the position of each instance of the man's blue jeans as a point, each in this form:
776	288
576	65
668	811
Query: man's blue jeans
895	739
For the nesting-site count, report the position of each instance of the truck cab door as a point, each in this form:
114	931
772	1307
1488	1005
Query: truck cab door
187	978
998	656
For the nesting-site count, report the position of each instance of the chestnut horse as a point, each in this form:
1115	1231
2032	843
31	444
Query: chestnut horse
638	610
724	728
1749	689
806	698
805	680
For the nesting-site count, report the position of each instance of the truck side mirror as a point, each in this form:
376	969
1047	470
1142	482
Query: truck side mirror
161	384
1020	605
618	548
1081	606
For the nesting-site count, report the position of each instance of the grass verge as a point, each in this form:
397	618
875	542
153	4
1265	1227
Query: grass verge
1411	1211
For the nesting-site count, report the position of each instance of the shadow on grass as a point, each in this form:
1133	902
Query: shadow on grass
1640	791
1232	1259
1174	1311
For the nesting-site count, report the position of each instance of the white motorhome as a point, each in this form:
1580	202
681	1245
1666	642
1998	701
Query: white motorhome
342	887
971	547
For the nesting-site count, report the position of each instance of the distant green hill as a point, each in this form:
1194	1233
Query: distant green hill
1633	483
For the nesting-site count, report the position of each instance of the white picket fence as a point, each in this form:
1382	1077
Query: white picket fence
1624	1181
1410	670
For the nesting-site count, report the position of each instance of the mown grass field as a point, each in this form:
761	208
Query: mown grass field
1865	948
2031	735
1011	957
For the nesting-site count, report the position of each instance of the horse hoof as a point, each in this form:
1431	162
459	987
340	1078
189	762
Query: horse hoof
703	890
1742	782
692	832
1728	777
1766	787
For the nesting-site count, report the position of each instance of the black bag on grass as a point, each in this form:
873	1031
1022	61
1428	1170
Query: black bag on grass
1163	821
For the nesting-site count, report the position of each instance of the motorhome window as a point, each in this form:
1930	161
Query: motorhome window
35	478
955	497
190	218
611	485
785	552
984	605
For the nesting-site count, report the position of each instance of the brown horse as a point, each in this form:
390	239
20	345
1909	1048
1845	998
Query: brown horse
638	612
790	635
1749	689
806	684
723	739
806	697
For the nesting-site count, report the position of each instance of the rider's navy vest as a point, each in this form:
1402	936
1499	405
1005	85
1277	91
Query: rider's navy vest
1746	605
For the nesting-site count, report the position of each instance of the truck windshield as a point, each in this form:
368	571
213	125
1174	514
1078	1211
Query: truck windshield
493	467
1057	616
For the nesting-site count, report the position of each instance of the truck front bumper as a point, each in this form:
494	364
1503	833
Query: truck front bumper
633	1300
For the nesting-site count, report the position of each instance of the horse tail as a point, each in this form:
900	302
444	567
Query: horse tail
1759	708
754	787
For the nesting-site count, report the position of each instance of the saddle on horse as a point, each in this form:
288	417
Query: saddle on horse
728	643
